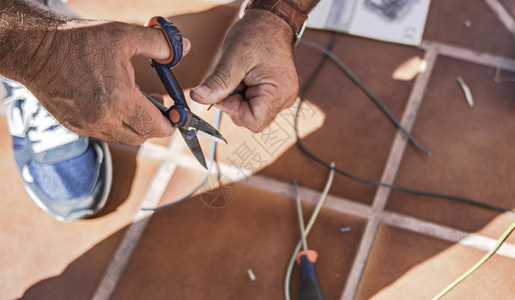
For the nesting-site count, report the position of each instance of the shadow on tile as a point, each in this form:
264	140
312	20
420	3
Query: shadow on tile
124	169
193	251
81	277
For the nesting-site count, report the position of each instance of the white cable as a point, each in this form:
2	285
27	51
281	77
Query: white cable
312	220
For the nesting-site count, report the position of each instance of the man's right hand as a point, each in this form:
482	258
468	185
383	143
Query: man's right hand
87	81
81	72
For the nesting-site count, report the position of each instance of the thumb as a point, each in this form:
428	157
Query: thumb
152	43
224	80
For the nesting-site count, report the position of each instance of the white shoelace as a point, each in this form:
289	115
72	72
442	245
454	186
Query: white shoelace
35	122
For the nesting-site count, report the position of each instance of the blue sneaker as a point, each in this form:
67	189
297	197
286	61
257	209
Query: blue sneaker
67	175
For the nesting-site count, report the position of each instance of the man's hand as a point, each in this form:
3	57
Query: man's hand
257	62
88	81
81	71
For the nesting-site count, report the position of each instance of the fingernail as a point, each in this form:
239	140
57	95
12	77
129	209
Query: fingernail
186	45
202	90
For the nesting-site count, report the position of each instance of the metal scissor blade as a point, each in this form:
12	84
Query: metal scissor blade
218	138
194	145
205	129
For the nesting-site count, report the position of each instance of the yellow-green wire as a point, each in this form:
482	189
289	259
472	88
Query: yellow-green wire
478	264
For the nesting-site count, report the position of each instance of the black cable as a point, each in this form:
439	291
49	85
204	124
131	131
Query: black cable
361	85
367	91
311	78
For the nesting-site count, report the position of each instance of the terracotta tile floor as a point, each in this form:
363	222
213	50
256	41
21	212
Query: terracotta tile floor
212	249
407	265
400	246
458	135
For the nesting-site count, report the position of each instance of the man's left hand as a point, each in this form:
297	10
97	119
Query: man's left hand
257	62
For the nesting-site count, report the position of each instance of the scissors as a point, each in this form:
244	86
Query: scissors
179	113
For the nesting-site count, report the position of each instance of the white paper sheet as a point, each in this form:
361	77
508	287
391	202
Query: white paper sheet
398	21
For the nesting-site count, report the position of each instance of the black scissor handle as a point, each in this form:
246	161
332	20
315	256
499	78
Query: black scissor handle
178	112
174	38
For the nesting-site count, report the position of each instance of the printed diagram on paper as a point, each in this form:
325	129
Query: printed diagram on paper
398	21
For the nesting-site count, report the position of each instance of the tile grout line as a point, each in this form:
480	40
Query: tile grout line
465	54
139	222
183	160
400	142
502	14
309	196
388	176
346	206
472	240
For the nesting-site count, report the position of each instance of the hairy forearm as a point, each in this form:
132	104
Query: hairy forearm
81	71
263	21
26	35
